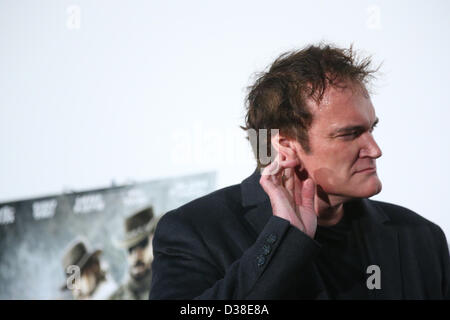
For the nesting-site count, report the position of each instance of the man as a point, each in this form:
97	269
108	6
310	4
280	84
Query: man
92	282
139	229
304	228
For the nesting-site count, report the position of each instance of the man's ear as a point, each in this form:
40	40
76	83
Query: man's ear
286	148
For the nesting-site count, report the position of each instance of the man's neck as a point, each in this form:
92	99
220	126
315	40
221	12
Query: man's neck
330	211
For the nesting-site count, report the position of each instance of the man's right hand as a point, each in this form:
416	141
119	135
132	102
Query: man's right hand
291	198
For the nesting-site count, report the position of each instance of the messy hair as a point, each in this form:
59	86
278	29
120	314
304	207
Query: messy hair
277	99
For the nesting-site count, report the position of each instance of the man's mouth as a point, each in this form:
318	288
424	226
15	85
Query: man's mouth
366	170
139	264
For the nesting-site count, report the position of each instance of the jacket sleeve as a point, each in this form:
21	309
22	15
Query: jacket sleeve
184	269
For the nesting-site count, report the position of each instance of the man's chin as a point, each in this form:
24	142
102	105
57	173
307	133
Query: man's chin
360	191
369	191
355	191
139	274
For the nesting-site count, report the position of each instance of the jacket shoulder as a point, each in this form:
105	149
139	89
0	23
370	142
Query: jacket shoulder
402	216
213	207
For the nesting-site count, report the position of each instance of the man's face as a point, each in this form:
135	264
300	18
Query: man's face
140	258
342	144
88	280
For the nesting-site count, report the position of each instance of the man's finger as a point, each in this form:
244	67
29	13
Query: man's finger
308	193
297	190
289	181
289	163
270	169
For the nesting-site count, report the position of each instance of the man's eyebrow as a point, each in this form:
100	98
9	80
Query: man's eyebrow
353	128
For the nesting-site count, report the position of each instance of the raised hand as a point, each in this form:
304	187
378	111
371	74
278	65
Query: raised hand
291	198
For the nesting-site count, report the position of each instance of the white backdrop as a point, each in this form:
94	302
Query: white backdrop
93	91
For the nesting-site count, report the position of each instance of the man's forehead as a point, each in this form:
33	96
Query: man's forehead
342	107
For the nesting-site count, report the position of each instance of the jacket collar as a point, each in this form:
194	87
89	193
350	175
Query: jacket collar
251	190
380	238
256	202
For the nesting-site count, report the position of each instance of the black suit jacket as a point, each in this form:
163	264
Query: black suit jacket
229	245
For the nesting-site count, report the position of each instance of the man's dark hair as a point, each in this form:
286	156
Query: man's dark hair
277	99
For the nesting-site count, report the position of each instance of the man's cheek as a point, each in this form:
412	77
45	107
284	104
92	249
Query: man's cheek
149	254
131	260
325	177
84	285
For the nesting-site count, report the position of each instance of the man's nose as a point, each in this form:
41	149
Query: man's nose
136	253
370	147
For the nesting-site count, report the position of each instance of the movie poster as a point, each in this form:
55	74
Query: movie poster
94	244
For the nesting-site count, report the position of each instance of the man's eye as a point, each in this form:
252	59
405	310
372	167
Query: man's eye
350	134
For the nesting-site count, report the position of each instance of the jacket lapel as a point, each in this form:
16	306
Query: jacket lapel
256	203
382	249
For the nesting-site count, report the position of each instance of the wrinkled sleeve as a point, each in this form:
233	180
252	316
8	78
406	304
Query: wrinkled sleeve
184	269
